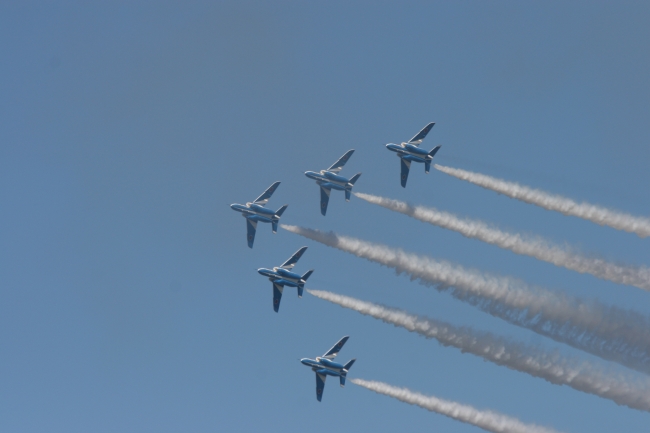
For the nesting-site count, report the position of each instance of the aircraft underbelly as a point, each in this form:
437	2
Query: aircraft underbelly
413	158
259	218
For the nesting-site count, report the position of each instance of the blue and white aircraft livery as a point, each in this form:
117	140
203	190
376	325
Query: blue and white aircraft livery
282	276
330	179
256	212
410	152
323	366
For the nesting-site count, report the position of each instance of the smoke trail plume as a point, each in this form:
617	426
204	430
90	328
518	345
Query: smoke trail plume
530	246
551	366
485	419
590	212
608	332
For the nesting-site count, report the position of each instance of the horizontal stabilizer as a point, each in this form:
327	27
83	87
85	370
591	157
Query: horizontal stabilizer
354	178
342	380
307	275
301	289
348	194
420	135
266	195
338	165
274	226
427	166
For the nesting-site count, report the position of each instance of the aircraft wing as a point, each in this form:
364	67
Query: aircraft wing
266	195
419	137
320	385
324	199
251	227
406	166
277	296
331	354
338	165
289	264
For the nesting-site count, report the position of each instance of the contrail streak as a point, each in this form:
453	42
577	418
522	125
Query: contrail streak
530	246
612	333
597	214
485	419
551	366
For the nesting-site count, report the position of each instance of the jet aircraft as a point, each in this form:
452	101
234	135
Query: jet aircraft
282	276
410	152
323	366
330	179
256	212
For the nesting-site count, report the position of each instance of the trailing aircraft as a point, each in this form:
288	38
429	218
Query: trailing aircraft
282	276
410	152
323	366
256	212
330	179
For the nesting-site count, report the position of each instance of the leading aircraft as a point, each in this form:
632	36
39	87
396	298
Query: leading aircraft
410	152
256	212
330	179
323	366
282	276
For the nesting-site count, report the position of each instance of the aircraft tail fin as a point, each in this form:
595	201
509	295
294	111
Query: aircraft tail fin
348	190
276	218
307	274
301	287
280	211
434	151
427	163
342	379
354	178
349	364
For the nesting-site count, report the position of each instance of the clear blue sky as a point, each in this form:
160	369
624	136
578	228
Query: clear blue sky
129	301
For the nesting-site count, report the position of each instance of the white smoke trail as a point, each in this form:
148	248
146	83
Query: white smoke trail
611	333
597	214
553	367
535	247
485	419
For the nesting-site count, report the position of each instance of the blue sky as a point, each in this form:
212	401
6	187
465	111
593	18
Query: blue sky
130	301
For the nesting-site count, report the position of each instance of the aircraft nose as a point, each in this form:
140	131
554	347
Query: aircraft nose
232	206
304	361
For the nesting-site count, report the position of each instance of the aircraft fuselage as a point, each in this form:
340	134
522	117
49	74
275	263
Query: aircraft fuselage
325	366
282	277
254	212
330	180
410	152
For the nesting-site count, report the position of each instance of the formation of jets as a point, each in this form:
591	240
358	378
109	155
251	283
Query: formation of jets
327	180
